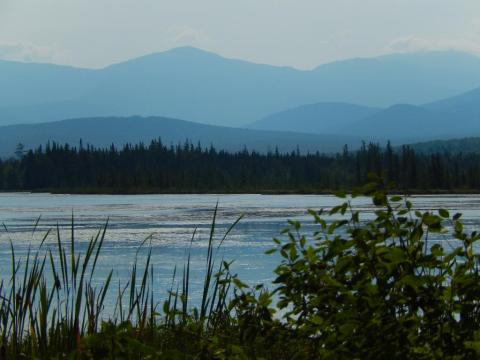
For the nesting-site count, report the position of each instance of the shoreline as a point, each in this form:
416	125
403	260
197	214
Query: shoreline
226	192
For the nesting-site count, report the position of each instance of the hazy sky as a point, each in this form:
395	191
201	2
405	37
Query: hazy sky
299	33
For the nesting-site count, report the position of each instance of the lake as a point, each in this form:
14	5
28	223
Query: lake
170	220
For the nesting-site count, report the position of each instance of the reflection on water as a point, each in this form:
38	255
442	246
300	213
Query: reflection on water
171	220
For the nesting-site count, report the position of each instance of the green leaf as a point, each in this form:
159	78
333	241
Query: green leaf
239	284
444	213
396	198
458	227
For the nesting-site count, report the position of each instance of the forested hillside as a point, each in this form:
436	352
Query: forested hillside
191	168
102	132
453	146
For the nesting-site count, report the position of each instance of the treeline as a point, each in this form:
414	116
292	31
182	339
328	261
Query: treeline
190	168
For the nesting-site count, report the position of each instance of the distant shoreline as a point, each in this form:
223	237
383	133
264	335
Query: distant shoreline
225	192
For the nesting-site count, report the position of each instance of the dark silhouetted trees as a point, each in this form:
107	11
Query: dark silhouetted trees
190	168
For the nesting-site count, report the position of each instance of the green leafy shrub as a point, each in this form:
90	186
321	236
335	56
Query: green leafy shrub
383	288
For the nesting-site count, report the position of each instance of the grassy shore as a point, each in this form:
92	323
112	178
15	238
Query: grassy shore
352	289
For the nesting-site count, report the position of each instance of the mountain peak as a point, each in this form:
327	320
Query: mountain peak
183	53
188	51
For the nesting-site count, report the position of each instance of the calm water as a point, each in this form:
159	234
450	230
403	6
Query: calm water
171	220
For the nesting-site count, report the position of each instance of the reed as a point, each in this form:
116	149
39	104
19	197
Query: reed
49	305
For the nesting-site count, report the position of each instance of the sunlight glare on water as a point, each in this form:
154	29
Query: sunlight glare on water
171	221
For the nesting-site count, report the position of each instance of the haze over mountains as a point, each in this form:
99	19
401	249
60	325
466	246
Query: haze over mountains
401	97
195	85
458	116
318	118
102	132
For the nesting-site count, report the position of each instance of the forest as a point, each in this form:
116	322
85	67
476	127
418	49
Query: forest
187	168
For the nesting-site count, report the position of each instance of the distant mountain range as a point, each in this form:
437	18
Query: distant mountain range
320	118
406	98
458	116
192	84
102	132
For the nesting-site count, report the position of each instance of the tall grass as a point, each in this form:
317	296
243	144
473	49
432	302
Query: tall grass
50	303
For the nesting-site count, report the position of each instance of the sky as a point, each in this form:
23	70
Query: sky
297	33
